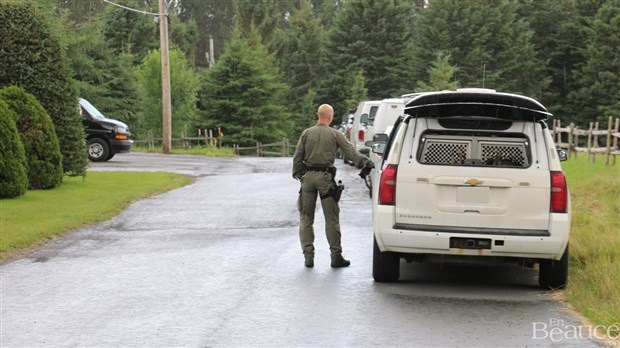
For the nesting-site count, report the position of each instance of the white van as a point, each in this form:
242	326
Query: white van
472	175
383	120
366	111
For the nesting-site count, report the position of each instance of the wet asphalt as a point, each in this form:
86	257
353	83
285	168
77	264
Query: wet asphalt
218	263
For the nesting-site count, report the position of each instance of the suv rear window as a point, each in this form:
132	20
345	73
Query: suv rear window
462	149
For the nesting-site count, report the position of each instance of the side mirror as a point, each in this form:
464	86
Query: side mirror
379	148
562	154
380	138
364	119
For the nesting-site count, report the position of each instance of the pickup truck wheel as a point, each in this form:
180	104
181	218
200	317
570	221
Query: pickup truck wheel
98	150
385	265
552	274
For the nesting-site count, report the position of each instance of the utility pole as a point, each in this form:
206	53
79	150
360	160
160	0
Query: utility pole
165	78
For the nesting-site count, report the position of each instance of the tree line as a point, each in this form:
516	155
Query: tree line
276	60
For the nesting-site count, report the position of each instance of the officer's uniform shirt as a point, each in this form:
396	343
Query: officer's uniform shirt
317	147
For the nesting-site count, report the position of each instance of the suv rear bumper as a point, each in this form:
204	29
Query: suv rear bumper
416	239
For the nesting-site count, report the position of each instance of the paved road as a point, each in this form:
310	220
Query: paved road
218	263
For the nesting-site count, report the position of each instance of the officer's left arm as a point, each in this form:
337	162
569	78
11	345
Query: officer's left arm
351	153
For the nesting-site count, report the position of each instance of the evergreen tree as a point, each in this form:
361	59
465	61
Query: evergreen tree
214	18
36	130
33	59
102	77
599	78
244	98
559	40
441	75
13	174
264	16
184	86
131	32
371	36
299	48
357	90
487	42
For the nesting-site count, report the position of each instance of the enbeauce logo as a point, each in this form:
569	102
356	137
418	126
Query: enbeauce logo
557	331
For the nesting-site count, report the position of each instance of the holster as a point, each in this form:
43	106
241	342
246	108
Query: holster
338	188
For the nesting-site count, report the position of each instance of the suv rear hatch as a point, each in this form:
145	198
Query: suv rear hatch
475	166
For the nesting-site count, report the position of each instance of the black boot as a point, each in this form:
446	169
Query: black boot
339	261
309	261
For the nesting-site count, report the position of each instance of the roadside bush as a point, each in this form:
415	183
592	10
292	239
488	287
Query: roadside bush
13	177
33	58
38	136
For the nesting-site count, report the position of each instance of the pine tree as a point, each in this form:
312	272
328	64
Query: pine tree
243	97
130	32
299	48
487	42
102	77
371	36
441	75
33	59
599	79
559	40
184	86
215	19
36	130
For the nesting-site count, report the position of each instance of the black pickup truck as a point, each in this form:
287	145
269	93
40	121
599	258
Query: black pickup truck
105	137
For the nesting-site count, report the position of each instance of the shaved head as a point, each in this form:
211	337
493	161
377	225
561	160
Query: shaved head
325	113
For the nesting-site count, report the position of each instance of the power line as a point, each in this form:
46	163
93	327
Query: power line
131	9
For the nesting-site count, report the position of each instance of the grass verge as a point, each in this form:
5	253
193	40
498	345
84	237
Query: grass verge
594	274
40	215
210	151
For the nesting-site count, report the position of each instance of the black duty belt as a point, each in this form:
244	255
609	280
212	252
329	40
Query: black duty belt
319	169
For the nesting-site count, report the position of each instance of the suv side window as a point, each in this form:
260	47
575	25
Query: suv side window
372	114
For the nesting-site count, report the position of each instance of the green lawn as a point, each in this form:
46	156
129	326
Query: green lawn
211	151
594	268
42	214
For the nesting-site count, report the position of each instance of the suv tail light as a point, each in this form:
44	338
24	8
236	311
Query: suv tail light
559	193
360	135
387	185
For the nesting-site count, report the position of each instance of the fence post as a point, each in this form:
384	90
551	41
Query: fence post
615	146
258	149
150	140
570	138
284	147
608	142
590	140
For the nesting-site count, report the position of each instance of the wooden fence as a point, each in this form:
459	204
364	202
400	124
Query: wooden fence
589	141
183	141
279	149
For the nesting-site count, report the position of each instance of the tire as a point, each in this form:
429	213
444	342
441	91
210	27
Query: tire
110	156
368	183
385	265
98	150
553	274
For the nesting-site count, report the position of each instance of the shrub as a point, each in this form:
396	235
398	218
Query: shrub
13	178
32	58
37	133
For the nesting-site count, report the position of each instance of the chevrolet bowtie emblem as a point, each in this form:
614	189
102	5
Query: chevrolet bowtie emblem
473	182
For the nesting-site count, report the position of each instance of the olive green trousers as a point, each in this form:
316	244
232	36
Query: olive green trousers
319	184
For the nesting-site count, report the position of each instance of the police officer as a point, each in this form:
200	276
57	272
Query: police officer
313	164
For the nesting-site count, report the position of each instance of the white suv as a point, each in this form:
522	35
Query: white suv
366	111
471	175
